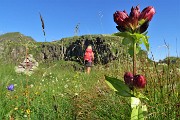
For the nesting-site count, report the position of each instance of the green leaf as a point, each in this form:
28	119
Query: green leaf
139	111
127	41
118	86
135	102
138	48
140	95
141	38
129	38
123	34
145	41
131	51
134	113
144	110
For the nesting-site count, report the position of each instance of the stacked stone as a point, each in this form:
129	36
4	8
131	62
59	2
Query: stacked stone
27	66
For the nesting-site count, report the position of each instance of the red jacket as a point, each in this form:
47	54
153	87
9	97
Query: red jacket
88	55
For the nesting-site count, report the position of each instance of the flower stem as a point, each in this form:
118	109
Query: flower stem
134	58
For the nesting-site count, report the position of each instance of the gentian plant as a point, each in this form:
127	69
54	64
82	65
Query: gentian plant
133	28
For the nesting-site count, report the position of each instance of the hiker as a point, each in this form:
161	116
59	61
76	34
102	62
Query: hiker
88	58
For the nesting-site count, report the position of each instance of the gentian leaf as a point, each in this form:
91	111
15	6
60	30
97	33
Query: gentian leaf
131	51
145	41
123	34
127	41
118	86
138	110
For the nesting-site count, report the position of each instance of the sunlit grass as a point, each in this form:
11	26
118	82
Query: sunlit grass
56	91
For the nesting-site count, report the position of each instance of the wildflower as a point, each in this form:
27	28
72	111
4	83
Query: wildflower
31	85
10	87
56	79
36	93
132	23
139	81
28	111
62	95
65	86
128	78
44	74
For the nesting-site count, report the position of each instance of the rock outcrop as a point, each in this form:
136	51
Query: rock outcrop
106	48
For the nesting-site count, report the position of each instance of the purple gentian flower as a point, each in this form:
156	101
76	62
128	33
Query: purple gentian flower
139	81
10	87
128	78
131	23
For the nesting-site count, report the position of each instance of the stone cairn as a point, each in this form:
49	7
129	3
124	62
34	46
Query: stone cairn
27	66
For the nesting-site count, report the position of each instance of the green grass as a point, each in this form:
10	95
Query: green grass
57	92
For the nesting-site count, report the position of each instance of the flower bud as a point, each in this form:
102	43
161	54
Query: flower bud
120	19
147	13
134	16
139	81
128	78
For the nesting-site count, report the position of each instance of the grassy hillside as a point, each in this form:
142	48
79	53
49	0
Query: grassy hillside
16	36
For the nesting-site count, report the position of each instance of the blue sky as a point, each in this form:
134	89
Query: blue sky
93	16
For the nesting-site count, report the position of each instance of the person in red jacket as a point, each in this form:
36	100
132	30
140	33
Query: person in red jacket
88	58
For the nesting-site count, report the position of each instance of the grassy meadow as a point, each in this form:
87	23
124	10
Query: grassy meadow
60	91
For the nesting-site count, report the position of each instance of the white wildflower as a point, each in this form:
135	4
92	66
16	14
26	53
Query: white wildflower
65	86
31	85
